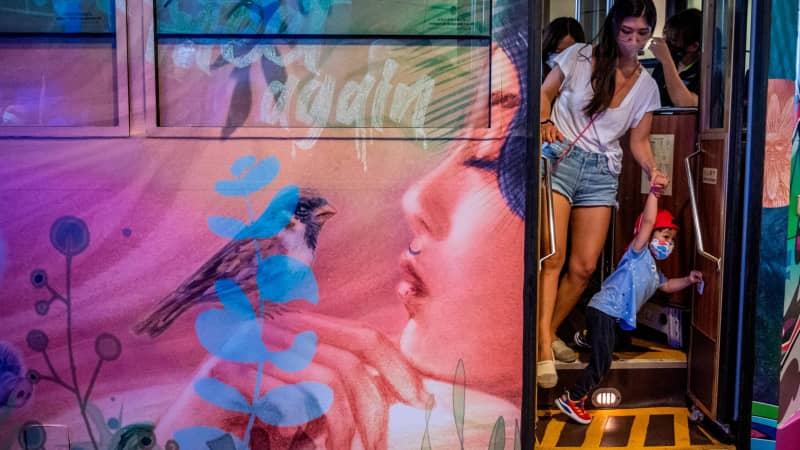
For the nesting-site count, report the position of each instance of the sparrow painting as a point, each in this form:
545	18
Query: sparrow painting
238	260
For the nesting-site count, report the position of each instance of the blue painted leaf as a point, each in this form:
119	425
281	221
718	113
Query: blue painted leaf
241	164
299	355
276	216
259	176
264	172
232	333
226	227
224	442
282	278
198	437
220	394
294	404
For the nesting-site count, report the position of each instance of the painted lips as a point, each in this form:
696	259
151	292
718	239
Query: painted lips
411	289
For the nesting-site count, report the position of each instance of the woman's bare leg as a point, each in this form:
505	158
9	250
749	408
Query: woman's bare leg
588	230
548	278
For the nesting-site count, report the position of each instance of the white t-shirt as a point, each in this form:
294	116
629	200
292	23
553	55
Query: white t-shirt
576	92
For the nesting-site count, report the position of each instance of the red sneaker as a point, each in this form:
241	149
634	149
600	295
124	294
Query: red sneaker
573	408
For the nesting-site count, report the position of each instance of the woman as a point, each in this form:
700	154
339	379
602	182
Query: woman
600	93
678	54
456	290
559	35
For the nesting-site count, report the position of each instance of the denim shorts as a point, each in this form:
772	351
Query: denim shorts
583	177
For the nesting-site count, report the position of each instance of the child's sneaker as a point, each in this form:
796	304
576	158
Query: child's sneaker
581	340
573	408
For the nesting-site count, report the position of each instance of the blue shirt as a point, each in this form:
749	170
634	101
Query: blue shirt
629	287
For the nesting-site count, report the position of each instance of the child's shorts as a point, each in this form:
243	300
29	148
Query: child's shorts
583	177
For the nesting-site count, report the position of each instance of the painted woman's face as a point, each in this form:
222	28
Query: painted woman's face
463	270
633	34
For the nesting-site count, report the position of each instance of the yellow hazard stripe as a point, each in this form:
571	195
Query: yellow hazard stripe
552	433
638	433
595	432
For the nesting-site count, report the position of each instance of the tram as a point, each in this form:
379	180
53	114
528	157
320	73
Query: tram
694	351
320	224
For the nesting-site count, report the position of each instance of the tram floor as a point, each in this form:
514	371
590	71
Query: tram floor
650	377
655	428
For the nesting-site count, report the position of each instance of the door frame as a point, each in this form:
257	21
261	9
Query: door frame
531	246
741	213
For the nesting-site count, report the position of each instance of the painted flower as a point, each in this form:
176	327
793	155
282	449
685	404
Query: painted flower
778	145
107	347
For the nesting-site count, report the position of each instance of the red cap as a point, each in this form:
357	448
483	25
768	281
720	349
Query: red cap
664	219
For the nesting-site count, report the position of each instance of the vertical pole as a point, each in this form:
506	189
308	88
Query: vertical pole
531	286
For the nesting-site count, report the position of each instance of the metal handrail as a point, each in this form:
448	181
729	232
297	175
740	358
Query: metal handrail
695	216
551	220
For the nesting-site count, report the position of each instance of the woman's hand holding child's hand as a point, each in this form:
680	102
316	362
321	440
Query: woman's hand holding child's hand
658	182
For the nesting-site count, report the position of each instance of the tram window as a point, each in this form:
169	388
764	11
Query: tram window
719	63
592	15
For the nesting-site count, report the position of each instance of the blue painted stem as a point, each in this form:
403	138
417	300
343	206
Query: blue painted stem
259	318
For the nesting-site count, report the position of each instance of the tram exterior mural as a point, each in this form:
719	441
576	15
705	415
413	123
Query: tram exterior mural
781	191
304	242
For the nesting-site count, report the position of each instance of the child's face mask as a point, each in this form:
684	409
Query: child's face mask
661	249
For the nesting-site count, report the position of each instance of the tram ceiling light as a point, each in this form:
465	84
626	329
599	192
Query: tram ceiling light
607	397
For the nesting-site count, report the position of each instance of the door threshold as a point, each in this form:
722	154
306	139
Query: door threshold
635	428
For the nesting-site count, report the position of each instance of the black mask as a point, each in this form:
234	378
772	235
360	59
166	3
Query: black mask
676	53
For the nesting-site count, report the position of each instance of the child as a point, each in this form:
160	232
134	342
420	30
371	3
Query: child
622	294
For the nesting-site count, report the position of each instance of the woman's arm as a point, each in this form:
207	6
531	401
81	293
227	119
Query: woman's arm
678	92
549	92
643	153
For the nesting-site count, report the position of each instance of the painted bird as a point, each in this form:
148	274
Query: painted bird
238	260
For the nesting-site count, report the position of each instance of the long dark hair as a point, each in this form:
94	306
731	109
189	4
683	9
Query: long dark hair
510	32
556	30
606	51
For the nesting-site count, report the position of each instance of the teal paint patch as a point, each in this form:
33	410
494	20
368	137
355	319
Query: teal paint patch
762	444
783	40
769	309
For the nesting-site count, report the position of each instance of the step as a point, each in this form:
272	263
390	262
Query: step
647	374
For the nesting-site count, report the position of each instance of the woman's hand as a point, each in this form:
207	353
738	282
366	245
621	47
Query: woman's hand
365	370
658	181
661	51
549	133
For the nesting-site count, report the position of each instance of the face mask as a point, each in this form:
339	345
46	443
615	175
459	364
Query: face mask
676	53
660	249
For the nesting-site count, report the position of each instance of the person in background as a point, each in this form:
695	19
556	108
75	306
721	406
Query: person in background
559	34
593	96
623	293
678	54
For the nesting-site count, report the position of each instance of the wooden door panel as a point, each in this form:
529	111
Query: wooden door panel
683	128
709	169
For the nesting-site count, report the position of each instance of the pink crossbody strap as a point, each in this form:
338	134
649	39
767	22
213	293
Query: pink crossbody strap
591	121
566	152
